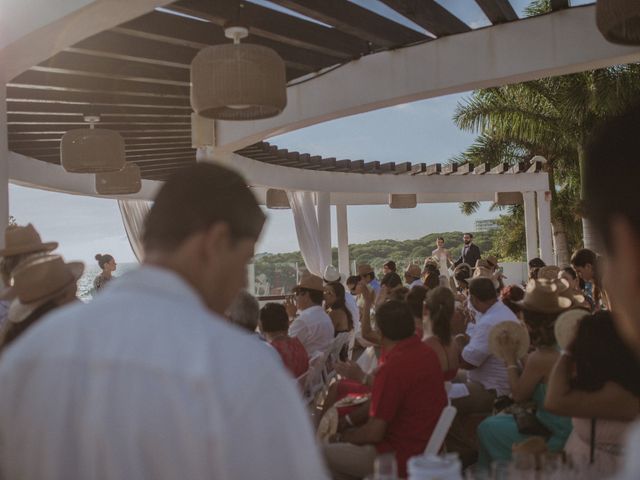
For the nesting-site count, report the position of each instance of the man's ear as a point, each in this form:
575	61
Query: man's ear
217	239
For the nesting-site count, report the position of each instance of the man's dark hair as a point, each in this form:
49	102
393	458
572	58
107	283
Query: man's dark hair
391	265
196	198
353	280
536	263
316	296
483	289
468	233
612	172
415	300
391	280
274	318
395	321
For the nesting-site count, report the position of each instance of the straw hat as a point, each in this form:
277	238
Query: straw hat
515	331
311	282
485	272
548	272
37	281
577	299
566	326
364	269
20	240
482	263
413	271
492	261
544	296
331	274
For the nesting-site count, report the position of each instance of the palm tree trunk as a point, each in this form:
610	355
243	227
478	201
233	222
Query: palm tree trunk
588	232
560	244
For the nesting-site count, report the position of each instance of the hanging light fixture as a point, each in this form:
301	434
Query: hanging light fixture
403	200
277	199
238	81
91	150
126	181
619	21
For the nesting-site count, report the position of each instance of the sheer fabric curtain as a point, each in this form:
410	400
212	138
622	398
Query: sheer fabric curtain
308	231
133	213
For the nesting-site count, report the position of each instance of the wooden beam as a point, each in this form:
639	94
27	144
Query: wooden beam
355	20
498	11
280	27
433	169
429	15
121	127
53	107
15	118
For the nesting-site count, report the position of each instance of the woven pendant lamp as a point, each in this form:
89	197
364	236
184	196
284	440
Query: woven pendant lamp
238	81
91	150
277	199
404	200
619	21
126	181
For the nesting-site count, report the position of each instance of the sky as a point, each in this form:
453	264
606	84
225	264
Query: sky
417	132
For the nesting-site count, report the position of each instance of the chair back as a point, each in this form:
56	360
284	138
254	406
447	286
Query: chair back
441	430
368	360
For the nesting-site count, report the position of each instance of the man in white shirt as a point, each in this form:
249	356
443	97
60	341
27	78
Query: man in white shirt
611	203
487	375
148	380
312	326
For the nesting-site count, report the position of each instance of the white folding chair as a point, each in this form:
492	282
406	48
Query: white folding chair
368	360
441	430
315	379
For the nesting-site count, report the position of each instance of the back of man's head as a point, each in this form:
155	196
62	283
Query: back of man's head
196	198
245	311
395	320
483	289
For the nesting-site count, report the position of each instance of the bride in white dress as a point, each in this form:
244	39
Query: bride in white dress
443	256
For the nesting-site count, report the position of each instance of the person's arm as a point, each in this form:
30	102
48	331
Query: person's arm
612	402
522	384
370	433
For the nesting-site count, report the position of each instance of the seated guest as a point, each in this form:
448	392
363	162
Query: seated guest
334	302
244	311
588	266
497	434
511	296
439	308
535	264
597	382
412	276
274	325
415	299
487	376
331	276
462	275
407	398
389	267
368	275
432	276
40	285
312	326
389	284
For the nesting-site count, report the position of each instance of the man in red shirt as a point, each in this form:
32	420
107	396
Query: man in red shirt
407	398
274	325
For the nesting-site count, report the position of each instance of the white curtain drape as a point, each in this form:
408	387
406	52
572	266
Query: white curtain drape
133	213
307	229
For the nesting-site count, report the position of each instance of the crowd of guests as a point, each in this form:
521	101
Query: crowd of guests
174	371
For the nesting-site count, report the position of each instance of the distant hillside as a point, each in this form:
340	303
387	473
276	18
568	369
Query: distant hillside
280	268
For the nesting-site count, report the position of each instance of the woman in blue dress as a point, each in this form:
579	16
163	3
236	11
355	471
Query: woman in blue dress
497	434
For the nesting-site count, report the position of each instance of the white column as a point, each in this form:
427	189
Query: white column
323	208
530	224
544	227
4	164
343	240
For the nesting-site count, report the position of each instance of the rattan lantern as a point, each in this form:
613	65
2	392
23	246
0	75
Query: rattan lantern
238	81
404	200
92	150
619	21
126	181
277	199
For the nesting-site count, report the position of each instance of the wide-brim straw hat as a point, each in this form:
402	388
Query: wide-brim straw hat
516	331
485	272
566	326
331	274
577	299
482	263
310	282
364	269
548	272
492	261
20	240
37	281
544	296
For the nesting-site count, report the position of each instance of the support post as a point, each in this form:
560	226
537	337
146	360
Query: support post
343	240
530	224
4	164
544	227
323	209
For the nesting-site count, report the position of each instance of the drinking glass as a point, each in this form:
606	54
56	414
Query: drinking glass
385	467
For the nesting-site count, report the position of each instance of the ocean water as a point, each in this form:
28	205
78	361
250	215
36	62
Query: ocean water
85	284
